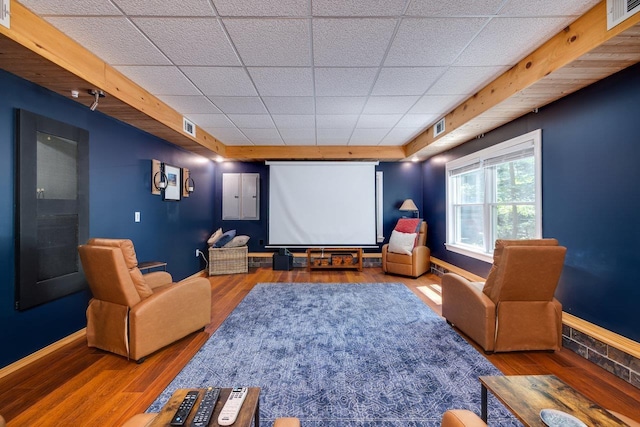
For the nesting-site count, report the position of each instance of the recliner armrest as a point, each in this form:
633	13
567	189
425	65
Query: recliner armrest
156	279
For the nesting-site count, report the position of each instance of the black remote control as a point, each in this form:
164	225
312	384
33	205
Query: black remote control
207	405
185	407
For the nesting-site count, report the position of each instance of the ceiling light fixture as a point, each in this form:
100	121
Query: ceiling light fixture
97	93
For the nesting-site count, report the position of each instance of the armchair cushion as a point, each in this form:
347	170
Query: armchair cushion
402	243
408	225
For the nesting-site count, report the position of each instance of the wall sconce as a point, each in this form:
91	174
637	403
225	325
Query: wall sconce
97	95
189	184
408	205
160	180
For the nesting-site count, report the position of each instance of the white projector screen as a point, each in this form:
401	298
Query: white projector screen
322	204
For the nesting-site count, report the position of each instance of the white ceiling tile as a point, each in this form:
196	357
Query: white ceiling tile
231	136
190	41
453	8
221	81
464	80
262	7
548	7
436	104
517	37
333	136
431	41
334	121
400	136
62	7
344	81
351	42
271	42
211	120
367	136
239	104
406	81
252	121
358	7
263	136
114	40
298	136
160	80
277	81
378	121
165	8
389	104
417	120
189	104
340	104
294	121
290	104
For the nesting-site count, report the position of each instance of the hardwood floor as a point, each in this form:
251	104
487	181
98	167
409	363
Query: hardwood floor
80	386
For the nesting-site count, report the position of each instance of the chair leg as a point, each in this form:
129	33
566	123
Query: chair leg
142	359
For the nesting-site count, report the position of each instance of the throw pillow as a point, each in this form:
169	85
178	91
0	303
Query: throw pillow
214	237
237	242
402	243
224	239
408	225
141	285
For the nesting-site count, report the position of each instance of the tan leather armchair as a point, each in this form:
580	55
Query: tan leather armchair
461	418
515	308
134	314
414	265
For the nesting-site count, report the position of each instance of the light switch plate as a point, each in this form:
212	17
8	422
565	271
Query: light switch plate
137	217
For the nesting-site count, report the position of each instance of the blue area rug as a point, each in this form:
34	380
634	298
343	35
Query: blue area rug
353	355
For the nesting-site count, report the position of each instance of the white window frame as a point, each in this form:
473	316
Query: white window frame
515	144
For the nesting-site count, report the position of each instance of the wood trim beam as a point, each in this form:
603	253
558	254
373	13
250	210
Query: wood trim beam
586	34
323	152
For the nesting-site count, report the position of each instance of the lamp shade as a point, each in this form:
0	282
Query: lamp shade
408	205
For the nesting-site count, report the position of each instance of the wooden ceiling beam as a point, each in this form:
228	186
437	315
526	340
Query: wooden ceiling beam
316	152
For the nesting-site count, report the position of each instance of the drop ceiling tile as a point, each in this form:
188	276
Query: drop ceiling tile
573	8
378	121
221	81
367	136
190	41
406	80
239	104
351	42
262	8
263	136
294	121
278	81
165	8
340	104
431	41
210	120
400	136
271	42
517	37
190	104
290	104
332	121
436	104
358	8
389	104
465	80
56	7
333	136
252	121
344	81
453	8
298	136
417	120
114	40
229	136
160	80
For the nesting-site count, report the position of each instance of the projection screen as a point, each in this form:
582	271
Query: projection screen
322	204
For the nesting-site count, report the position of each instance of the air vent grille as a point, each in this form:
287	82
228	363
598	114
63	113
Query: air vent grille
620	10
438	128
5	13
188	127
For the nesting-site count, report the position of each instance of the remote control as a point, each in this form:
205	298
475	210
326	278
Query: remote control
185	407
206	407
232	406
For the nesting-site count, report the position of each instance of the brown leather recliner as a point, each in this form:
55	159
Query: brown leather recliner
414	265
515	308
134	314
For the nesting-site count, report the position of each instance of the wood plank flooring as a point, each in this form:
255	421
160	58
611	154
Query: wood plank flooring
81	386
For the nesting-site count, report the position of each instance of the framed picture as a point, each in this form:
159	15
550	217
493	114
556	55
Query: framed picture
173	190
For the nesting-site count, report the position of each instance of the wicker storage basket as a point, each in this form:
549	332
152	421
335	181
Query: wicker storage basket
228	260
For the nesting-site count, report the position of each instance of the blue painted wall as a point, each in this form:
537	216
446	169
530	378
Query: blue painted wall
591	198
120	182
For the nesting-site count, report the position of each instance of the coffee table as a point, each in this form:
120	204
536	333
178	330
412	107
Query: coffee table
250	410
526	395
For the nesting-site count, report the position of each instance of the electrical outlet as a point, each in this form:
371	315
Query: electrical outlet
197	252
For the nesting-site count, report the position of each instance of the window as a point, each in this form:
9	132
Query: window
495	193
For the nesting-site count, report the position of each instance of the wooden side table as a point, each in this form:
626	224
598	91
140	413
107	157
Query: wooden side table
250	410
149	265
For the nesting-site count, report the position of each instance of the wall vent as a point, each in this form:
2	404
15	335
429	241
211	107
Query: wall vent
438	128
620	10
188	127
5	14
